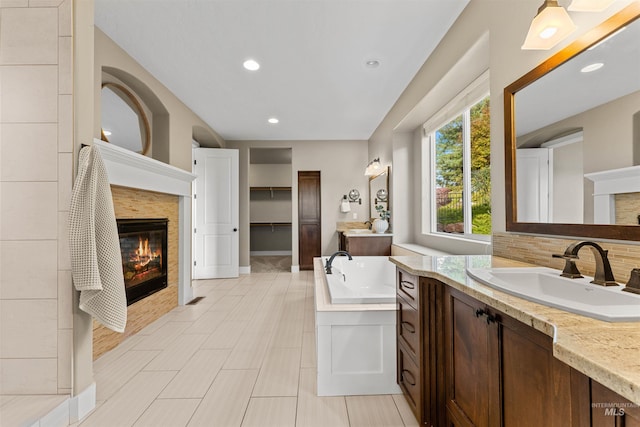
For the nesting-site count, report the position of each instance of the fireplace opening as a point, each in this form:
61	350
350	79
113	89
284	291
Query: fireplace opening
143	244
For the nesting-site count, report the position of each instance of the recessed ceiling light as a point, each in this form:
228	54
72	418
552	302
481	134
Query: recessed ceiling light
273	120
592	67
251	64
372	63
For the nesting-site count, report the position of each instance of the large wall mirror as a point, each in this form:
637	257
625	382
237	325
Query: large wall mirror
123	120
572	132
379	192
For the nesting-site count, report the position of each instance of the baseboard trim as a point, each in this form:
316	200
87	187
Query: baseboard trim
82	404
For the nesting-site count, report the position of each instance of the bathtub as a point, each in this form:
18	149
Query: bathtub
355	342
363	280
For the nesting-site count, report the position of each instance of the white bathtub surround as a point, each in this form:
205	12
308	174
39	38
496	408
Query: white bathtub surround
356	344
362	280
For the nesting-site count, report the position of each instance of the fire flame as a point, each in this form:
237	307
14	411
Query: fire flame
144	255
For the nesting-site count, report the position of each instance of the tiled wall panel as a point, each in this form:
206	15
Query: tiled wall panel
36	140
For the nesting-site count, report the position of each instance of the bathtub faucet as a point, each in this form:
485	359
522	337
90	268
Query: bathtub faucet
327	268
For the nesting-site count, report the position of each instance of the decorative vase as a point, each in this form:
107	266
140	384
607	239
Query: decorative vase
380	225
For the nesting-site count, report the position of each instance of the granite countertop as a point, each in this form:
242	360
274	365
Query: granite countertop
344	227
607	352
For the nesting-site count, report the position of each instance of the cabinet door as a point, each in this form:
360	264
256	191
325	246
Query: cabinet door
470	363
309	220
609	409
535	386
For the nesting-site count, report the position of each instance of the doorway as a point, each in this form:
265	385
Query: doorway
270	209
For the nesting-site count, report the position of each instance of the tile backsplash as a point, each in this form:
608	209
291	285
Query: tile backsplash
623	256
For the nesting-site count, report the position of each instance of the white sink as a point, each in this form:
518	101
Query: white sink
359	231
546	286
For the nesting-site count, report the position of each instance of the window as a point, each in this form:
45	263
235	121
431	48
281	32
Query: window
460	164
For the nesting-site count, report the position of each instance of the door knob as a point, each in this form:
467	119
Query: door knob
235	229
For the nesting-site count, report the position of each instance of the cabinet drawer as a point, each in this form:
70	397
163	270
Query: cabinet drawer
409	381
408	287
409	330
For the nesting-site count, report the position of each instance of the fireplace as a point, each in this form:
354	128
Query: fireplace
143	244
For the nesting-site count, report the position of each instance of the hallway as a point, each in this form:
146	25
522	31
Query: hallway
244	355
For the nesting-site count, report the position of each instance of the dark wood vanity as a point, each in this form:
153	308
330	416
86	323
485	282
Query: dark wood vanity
461	362
369	245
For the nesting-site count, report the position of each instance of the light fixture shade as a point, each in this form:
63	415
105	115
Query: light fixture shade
373	167
550	26
589	5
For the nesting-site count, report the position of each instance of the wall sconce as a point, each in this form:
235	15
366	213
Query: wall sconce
373	167
550	26
589	5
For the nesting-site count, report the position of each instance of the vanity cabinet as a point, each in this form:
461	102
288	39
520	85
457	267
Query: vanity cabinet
419	345
370	245
463	363
500	371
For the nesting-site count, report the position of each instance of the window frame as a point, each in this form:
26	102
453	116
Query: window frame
460	105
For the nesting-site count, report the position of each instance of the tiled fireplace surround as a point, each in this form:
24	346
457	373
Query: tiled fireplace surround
136	203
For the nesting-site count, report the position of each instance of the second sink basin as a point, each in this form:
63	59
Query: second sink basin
359	231
546	286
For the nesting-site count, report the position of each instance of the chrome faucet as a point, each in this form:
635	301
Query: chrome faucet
327	267
603	275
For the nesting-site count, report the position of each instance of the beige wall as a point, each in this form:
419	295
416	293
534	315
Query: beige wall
456	62
173	122
36	144
341	165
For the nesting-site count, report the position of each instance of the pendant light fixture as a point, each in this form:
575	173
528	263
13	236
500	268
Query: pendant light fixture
550	26
589	5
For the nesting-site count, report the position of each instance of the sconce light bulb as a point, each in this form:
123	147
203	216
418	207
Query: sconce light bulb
548	32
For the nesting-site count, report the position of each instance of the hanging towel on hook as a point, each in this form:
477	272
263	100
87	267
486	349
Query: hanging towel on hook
344	206
96	261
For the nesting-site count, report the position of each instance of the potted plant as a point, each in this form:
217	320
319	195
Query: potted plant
380	225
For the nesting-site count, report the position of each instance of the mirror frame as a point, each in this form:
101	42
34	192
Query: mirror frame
605	231
137	108
385	171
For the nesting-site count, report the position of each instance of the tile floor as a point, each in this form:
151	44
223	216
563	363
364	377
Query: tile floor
243	356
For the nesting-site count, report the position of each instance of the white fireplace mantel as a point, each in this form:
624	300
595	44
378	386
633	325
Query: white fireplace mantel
134	170
128	169
606	185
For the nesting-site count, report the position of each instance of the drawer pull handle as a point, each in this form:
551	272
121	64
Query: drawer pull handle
407	377
490	318
409	327
407	285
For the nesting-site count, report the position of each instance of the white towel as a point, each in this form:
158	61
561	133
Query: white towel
344	206
96	261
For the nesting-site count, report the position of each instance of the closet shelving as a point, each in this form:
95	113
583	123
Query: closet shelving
270	219
274	199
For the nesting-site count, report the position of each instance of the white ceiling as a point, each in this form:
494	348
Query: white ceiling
312	53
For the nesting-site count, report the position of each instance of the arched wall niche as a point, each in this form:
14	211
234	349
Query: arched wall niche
205	138
154	108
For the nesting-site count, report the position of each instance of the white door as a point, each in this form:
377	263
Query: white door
533	175
216	213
